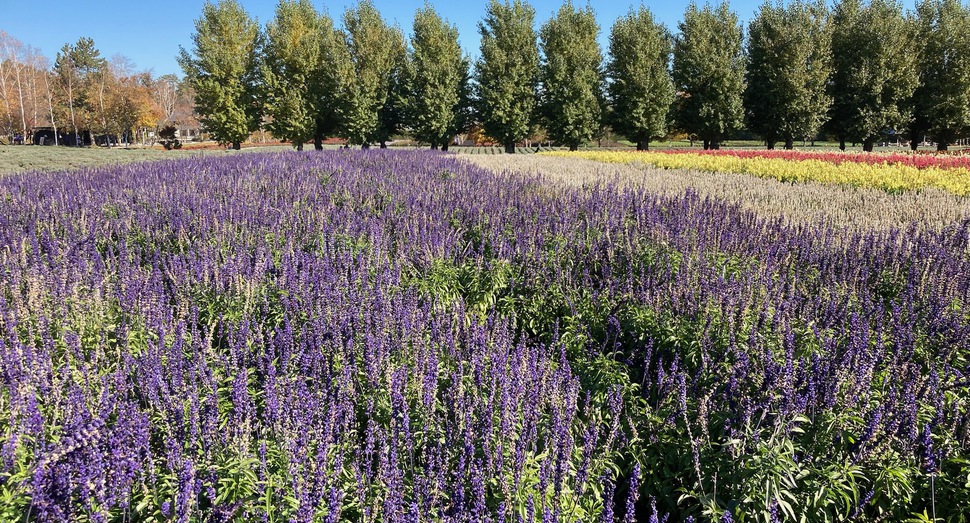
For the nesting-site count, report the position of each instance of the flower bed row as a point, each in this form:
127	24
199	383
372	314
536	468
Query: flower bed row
920	161
892	173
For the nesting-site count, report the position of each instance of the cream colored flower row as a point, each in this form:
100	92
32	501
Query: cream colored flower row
853	209
887	177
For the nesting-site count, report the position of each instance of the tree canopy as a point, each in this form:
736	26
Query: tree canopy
507	72
640	88
301	73
571	76
77	69
873	70
437	79
708	73
223	70
789	63
376	52
942	99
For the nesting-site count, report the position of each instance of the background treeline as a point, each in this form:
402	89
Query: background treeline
82	97
860	72
856	72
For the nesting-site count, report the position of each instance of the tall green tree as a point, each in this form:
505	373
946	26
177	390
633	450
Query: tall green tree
437	80
464	115
507	73
641	91
301	73
223	71
942	100
708	73
789	64
77	69
376	53
392	116
874	73
571	76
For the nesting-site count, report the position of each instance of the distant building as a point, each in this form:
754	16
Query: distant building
45	136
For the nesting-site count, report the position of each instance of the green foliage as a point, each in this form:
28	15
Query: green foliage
392	115
942	100
369	111
570	76
81	59
301	72
789	62
438	79
708	73
641	91
507	72
223	71
76	69
13	499
874	70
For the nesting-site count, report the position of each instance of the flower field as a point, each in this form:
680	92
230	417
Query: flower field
378	336
919	161
846	209
888	172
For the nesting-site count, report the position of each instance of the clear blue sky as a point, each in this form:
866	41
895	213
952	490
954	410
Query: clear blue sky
149	33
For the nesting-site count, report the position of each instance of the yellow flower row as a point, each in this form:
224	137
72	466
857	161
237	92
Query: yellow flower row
890	177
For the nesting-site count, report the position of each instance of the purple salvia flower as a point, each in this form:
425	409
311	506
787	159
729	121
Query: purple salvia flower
609	490
632	495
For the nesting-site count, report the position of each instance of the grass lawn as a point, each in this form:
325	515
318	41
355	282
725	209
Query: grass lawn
20	158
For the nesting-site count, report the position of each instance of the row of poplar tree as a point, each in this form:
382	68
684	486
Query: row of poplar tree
858	71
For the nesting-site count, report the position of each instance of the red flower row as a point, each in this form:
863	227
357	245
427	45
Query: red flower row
919	161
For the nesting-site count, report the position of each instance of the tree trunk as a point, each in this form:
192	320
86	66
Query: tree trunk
434	146
70	104
236	145
942	146
913	143
318	142
707	145
299	145
509	147
789	144
868	145
841	143
50	104
771	145
3	92
383	144
573	147
20	95
643	145
103	115
444	146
